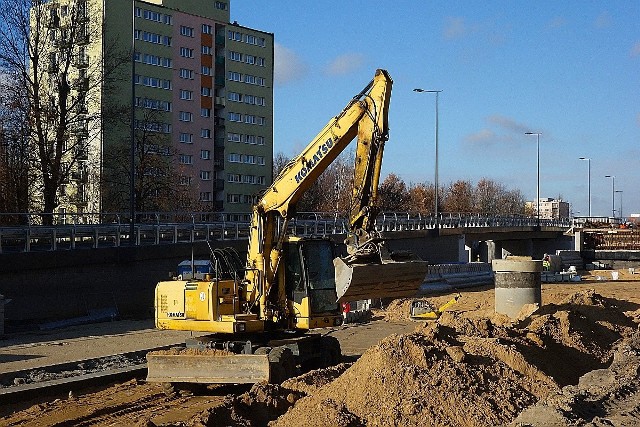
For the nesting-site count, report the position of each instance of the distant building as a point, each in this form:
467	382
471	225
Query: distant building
549	208
203	92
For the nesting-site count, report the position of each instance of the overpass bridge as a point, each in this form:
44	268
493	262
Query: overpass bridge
94	231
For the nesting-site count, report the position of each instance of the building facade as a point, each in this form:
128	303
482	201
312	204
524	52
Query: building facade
203	94
550	208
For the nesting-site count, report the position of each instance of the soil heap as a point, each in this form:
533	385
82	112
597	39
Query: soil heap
469	370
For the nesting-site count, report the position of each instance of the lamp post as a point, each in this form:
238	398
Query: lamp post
613	195
437	92
132	153
589	181
537	134
620	210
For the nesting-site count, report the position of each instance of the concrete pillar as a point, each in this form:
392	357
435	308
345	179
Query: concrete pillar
494	250
517	283
578	241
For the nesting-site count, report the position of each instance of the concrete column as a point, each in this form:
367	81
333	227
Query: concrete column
578	241
494	250
517	284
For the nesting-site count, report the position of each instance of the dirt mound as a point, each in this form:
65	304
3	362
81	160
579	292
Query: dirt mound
261	404
313	380
468	370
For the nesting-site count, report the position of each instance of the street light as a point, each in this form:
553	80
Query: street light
437	92
537	134
620	210
613	195
589	182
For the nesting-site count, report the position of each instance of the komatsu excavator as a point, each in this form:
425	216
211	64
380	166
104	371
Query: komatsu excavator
290	283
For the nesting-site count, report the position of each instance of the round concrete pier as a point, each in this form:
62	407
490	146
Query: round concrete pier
517	284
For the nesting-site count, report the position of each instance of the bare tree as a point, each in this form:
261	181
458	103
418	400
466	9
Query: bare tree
43	46
159	183
14	154
459	197
392	194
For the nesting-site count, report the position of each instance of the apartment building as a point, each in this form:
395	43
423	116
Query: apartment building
549	208
202	88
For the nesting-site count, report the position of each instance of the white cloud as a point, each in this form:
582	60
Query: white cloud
455	28
345	64
557	22
288	66
635	50
483	136
603	20
508	124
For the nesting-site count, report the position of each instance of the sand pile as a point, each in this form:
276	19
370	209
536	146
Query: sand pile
466	370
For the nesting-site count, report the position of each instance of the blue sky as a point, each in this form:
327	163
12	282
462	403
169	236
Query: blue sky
567	69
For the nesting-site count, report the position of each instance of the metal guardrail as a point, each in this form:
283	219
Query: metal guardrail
80	231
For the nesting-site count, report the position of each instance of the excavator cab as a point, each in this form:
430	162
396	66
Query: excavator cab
309	279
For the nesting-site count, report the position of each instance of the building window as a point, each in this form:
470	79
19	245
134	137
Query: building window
260	140
206	29
185	52
235	117
260	160
205	196
206	50
233	198
260	62
221	5
206	71
235	56
187	95
250	59
235	158
186	159
152	82
205	154
153	104
250	139
186	73
205	91
205	112
260	121
234	96
234	137
234	76
186	116
186	138
152	37
205	133
235	35
186	31
249	179
233	177
205	175
260	180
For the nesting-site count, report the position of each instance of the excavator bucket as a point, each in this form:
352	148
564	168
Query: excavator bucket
392	279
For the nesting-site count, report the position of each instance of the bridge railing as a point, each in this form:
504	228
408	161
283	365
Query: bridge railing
76	231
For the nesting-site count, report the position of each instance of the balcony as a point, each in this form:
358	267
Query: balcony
219	40
81	152
219	142
220	102
218	164
82	39
219	81
81	84
220	60
218	184
218	121
81	61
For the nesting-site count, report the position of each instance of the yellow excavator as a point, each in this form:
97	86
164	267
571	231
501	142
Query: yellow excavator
256	312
